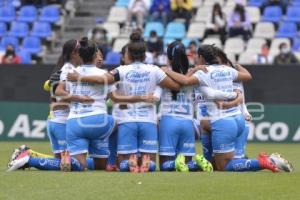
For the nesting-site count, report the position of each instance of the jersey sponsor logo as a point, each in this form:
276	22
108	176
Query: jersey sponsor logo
134	76
149	142
219	74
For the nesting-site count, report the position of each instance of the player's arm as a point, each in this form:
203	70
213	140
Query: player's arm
230	104
212	94
196	68
180	78
64	96
103	79
168	83
243	73
115	97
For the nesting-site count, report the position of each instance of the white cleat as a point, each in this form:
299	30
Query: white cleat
19	162
17	152
281	163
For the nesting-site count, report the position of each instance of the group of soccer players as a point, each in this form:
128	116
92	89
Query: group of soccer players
154	111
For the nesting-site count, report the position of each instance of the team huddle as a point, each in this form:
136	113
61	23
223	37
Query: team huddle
120	120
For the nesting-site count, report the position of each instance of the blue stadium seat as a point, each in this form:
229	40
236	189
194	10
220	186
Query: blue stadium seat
7	14
256	3
32	45
272	14
50	14
41	29
287	30
113	58
186	41
19	29
9	40
296	44
154	26
295	2
175	30
167	41
25	57
3	29
122	3
27	14
293	14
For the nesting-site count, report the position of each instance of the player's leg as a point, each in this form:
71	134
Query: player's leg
241	143
205	138
112	164
127	147
168	139
147	145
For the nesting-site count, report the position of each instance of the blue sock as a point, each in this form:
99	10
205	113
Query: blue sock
168	166
192	164
206	146
242	165
124	166
75	165
45	163
152	166
90	164
112	145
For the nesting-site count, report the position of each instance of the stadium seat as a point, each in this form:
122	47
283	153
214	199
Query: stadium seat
50	14
175	30
3	29
254	45
9	40
227	10
272	14
122	3
295	2
231	57
41	29
264	30
254	14
32	45
256	3
209	3
119	43
297	54
154	26
233	2
197	3
287	30
25	57
113	58
234	45
196	30
246	58
274	49
203	14
296	44
168	41
112	28
7	14
19	29
212	40
117	14
27	14
293	14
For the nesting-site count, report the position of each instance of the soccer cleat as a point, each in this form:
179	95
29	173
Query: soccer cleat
133	163
18	151
266	163
145	163
281	163
111	168
203	164
180	165
19	162
65	163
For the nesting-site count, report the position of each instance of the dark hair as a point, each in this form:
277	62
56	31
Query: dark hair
223	56
87	50
216	7
123	51
68	48
282	44
208	53
241	10
136	47
178	60
153	33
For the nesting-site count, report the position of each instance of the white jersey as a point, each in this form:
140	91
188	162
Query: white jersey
138	79
95	91
218	77
181	107
243	107
61	115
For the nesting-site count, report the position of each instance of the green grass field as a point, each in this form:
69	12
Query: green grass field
264	185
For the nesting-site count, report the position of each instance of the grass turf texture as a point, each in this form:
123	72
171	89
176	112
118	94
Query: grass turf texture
262	185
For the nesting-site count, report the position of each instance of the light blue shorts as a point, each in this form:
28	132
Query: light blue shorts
57	135
241	142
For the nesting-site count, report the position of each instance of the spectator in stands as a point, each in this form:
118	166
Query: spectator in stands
216	23
181	9
263	57
138	9
160	9
10	57
285	55
99	36
155	45
192	53
239	22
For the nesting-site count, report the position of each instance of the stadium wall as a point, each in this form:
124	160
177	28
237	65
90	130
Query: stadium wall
273	98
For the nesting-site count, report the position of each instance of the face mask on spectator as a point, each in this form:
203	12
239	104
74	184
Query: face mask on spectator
285	50
153	39
10	52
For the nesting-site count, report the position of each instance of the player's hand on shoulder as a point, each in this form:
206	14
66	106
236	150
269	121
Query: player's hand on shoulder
74	76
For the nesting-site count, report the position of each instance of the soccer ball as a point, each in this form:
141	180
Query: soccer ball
281	163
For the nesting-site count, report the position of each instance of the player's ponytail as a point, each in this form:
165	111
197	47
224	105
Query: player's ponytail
136	47
178	60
